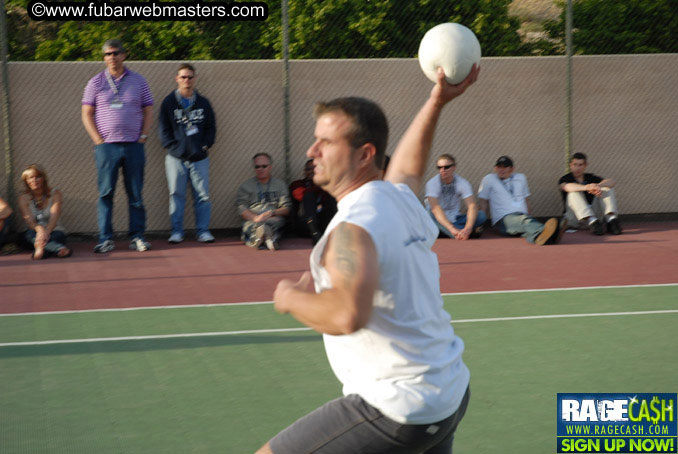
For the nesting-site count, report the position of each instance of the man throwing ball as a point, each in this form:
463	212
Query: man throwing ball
377	296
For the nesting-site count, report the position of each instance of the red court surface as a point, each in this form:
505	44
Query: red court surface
227	271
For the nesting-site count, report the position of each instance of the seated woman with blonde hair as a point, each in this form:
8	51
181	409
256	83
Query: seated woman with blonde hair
41	208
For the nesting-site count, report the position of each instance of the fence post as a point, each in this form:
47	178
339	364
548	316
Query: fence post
9	171
286	88
568	95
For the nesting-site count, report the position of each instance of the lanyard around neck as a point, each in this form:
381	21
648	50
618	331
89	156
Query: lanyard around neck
508	184
262	193
111	84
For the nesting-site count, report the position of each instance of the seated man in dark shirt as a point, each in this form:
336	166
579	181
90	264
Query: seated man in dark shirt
312	208
589	199
5	213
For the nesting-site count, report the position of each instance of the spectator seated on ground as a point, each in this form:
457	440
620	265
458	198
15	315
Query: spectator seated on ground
264	203
312	208
444	194
5	223
589	199
40	208
507	195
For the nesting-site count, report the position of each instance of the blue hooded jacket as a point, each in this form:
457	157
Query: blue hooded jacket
174	121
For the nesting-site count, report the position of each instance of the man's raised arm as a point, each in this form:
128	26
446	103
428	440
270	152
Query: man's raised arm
409	160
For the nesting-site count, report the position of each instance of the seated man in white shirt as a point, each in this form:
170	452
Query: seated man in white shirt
444	194
507	194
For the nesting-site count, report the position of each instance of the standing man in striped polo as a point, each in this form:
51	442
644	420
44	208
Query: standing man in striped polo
117	114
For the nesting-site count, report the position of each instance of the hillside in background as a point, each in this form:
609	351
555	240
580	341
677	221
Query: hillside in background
532	15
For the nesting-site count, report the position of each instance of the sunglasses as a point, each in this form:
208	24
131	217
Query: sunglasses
446	167
115	53
263	166
186	77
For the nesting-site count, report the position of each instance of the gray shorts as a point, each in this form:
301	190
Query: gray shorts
349	425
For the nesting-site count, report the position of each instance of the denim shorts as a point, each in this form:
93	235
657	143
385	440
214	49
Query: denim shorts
349	425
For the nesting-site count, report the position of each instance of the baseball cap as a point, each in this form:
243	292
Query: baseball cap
504	161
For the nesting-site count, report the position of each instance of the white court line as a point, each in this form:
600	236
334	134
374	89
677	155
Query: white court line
287	330
257	303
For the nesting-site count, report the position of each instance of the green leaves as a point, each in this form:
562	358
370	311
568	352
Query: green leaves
621	26
318	29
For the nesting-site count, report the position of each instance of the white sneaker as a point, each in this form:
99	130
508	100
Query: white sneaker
104	246
205	237
175	238
257	238
137	244
271	244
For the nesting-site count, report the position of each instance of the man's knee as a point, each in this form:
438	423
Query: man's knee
203	197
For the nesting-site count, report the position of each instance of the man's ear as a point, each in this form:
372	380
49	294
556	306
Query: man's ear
367	153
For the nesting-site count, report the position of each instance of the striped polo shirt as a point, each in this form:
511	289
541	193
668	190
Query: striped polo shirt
122	124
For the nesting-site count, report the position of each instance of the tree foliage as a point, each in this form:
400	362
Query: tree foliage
317	29
621	26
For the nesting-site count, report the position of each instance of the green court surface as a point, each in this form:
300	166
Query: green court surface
241	373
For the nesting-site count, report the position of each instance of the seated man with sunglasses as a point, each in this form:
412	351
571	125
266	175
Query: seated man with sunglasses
444	194
264	203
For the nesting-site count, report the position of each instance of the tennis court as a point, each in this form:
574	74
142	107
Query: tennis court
225	378
152	353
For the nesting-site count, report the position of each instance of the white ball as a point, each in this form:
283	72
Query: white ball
452	47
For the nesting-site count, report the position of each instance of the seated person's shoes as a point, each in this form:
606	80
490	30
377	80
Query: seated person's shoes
597	228
614	227
477	232
550	228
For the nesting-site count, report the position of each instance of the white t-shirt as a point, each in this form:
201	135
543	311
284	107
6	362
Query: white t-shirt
449	195
505	196
406	361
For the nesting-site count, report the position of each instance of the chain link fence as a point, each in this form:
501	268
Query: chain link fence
608	94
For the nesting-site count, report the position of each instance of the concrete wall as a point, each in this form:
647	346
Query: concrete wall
625	119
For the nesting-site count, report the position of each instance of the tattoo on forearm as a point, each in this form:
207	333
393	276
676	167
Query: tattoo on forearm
345	260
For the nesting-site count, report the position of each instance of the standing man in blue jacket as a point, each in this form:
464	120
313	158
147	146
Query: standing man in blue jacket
187	132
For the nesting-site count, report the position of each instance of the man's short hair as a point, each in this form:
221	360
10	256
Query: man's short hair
447	157
369	123
115	44
578	156
270	160
504	161
186	66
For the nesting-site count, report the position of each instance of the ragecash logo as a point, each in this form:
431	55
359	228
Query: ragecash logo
617	423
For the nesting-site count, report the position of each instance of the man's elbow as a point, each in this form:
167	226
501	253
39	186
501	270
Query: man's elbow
354	318
350	322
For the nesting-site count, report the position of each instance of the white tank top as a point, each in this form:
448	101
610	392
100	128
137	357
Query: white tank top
406	361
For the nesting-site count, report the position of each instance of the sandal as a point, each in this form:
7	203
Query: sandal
68	254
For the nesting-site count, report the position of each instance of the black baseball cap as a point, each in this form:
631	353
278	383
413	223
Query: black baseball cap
504	161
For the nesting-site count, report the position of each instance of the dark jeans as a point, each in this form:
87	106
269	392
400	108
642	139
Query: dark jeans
57	240
307	210
110	157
